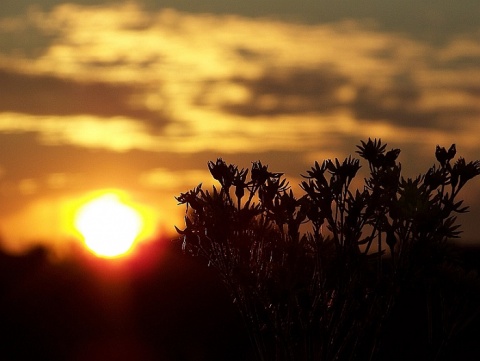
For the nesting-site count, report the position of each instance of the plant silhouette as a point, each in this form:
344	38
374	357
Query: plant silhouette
316	277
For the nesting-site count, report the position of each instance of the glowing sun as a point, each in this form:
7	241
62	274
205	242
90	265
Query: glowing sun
108	225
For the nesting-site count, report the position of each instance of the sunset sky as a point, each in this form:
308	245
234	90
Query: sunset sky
139	95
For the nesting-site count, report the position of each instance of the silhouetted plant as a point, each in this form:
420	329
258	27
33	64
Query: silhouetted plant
316	277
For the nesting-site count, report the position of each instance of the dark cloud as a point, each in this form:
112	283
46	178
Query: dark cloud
466	61
472	90
317	91
48	95
435	21
399	105
395	105
432	20
29	42
288	92
248	54
16	7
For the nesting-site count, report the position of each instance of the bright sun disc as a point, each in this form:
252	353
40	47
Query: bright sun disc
109	226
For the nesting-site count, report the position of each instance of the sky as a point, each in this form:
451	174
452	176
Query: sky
139	95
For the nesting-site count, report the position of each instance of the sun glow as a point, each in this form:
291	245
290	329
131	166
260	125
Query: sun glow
108	225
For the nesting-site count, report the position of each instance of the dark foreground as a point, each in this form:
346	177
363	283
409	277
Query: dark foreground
166	306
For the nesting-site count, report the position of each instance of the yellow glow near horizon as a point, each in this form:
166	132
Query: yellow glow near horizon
52	221
108	225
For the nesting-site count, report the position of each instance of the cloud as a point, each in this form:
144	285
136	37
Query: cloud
188	83
285	92
116	134
50	95
115	95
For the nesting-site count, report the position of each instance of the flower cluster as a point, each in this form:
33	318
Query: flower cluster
308	273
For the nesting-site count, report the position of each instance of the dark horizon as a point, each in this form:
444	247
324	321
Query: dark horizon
168	306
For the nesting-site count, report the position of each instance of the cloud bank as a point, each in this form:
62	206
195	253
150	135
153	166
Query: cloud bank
192	80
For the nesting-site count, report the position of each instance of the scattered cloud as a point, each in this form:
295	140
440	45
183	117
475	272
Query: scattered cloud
300	92
117	79
231	84
193	82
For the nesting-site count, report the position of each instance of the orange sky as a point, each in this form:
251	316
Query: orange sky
115	96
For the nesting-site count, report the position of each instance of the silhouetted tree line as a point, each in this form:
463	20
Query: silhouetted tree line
322	276
158	305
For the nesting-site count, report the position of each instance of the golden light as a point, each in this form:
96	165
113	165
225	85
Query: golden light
108	225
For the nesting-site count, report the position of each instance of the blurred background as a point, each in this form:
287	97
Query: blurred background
137	97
